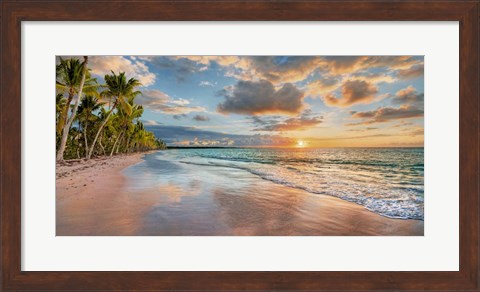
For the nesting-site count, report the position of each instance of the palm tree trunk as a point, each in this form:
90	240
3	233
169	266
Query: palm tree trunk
78	148
100	130
85	136
120	144
115	144
64	114
127	148
66	128
101	146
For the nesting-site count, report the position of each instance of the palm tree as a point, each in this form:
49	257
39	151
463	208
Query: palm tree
69	76
73	74
120	90
124	120
145	140
85	115
139	136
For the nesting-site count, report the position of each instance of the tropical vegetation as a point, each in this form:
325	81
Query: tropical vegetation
95	119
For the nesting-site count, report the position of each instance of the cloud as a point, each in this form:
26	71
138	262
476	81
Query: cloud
201	118
179	101
305	121
207	60
353	64
179	117
157	100
374	78
323	85
206	83
327	84
287	69
352	137
412	72
343	64
133	68
408	95
392	62
385	114
362	130
191	136
353	92
150	122
261	97
180	66
293	124
276	69
402	124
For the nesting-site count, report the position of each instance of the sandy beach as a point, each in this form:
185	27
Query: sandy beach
89	196
113	196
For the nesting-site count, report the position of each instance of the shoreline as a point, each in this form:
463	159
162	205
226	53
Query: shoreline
68	167
93	199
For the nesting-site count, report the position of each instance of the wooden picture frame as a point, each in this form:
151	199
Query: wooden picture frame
14	12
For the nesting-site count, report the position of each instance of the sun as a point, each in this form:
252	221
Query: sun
300	143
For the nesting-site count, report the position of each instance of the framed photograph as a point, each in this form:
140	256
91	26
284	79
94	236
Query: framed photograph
223	145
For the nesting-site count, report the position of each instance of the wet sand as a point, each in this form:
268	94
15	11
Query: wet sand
107	197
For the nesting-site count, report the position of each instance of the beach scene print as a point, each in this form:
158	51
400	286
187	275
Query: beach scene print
240	146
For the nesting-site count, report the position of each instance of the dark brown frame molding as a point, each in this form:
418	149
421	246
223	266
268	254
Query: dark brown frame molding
13	12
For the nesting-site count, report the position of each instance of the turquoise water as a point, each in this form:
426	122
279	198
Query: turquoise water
387	181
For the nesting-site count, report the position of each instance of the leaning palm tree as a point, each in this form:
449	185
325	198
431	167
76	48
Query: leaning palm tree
119	90
85	115
74	75
69	76
102	115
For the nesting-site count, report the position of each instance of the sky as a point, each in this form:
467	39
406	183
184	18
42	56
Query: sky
278	101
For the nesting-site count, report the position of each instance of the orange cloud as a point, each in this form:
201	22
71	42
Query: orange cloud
412	72
385	114
302	122
408	95
353	64
322	86
343	64
157	100
102	65
392	62
353	92
373	78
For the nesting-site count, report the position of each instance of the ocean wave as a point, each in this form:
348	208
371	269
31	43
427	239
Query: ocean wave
403	203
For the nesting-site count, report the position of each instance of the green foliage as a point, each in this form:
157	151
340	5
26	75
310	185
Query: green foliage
69	76
117	127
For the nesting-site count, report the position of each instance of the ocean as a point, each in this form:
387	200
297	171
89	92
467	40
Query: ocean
387	181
